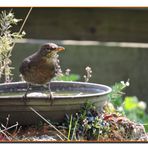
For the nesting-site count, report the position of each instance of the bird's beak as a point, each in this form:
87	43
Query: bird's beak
60	48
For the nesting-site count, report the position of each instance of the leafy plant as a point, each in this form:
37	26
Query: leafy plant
116	96
86	124
89	124
128	106
7	41
135	110
118	120
73	77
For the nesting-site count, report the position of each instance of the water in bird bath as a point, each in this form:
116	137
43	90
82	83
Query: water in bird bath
55	93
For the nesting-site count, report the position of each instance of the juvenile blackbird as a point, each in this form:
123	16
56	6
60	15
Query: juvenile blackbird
40	67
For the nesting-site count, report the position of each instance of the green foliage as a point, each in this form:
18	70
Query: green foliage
116	96
70	77
135	110
129	106
86	124
89	124
7	40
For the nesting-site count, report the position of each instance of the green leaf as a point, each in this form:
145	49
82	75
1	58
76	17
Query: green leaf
130	103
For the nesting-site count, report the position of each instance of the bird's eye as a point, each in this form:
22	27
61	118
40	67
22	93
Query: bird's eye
53	48
48	48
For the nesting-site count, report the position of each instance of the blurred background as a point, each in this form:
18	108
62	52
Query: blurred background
112	41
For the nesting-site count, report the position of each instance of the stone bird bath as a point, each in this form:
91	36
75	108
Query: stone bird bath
68	97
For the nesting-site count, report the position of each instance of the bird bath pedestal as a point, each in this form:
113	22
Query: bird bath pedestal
68	98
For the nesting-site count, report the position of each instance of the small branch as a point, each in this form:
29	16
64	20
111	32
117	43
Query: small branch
48	122
8	128
25	20
5	135
60	137
21	28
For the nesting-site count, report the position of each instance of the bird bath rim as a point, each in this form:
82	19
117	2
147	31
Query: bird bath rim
94	86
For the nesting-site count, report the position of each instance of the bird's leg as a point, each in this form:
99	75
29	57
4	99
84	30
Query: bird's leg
50	94
25	95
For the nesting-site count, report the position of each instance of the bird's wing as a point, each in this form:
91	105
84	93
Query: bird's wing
29	63
24	66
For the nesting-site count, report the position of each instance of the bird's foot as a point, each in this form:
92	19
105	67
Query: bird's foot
24	98
51	98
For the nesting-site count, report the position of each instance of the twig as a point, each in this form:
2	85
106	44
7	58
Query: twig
8	128
70	125
5	130
21	28
17	130
7	120
25	20
60	137
74	130
48	122
5	135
